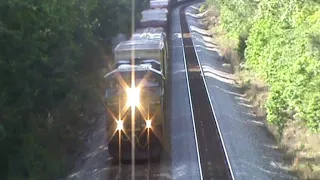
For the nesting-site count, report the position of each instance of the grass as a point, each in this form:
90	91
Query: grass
301	147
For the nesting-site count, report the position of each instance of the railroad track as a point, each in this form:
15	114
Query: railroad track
213	161
147	170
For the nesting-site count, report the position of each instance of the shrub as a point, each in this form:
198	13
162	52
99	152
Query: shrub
283	49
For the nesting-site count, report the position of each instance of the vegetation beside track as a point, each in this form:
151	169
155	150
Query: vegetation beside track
50	64
274	48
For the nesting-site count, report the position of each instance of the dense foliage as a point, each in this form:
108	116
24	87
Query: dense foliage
50	51
283	48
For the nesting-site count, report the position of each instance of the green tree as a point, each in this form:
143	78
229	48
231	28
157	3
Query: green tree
50	51
282	47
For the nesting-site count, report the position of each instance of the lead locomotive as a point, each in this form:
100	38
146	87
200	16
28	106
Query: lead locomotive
135	91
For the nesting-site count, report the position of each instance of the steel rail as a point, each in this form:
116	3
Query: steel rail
214	162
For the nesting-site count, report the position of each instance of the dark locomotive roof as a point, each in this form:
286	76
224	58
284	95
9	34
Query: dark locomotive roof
149	33
159	3
153	18
154	12
140	44
151	30
154	15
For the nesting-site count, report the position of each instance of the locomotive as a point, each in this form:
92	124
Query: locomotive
135	91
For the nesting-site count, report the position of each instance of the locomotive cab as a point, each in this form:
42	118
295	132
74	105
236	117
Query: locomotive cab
152	33
144	48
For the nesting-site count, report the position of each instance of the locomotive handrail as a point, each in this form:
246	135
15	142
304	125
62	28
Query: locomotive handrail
129	68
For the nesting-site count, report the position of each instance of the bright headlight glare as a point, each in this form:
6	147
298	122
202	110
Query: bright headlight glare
133	96
148	123
119	125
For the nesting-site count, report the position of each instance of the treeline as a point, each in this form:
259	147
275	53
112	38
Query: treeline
280	42
50	54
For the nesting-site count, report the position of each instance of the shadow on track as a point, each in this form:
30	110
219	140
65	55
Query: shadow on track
142	169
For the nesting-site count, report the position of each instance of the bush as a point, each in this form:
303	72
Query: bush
283	49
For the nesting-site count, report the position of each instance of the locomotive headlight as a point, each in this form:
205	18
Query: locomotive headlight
148	124
133	95
119	125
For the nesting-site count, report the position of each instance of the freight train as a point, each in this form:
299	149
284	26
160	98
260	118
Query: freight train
135	92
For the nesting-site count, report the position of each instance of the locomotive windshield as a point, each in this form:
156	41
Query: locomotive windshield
117	83
147	78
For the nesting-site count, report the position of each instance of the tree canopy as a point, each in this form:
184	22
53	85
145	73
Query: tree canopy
50	52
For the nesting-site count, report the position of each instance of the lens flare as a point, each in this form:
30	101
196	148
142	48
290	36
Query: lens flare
148	124
119	125
133	96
